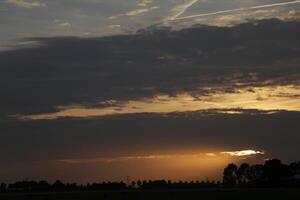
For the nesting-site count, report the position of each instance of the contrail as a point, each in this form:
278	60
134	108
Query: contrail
237	9
183	8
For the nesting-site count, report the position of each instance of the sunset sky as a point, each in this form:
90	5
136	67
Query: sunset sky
102	90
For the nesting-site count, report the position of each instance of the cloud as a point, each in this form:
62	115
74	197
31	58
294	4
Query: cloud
291	15
243	153
237	10
180	9
115	26
134	12
65	24
27	3
140	11
205	63
199	62
144	3
128	158
62	23
266	98
151	134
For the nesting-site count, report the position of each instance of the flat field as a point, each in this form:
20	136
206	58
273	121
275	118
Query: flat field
240	194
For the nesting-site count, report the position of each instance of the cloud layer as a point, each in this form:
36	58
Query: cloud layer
26	3
259	59
197	61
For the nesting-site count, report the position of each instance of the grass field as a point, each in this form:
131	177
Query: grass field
257	194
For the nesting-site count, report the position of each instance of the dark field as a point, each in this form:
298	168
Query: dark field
284	194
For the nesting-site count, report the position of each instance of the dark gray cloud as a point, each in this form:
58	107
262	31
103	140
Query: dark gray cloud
70	70
136	134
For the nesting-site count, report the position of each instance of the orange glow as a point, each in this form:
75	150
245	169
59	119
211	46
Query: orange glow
192	156
261	98
190	166
169	167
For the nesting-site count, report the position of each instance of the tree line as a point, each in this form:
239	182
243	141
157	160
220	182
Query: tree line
273	173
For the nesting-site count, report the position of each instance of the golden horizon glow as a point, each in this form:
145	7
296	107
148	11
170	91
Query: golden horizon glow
175	167
260	98
241	153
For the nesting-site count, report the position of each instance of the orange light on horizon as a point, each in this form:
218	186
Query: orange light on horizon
268	98
175	167
190	166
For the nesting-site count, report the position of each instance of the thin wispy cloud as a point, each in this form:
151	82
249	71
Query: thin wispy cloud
62	23
114	26
180	9
144	3
140	11
135	12
26	3
236	10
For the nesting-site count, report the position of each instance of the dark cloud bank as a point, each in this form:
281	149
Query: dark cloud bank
136	134
63	71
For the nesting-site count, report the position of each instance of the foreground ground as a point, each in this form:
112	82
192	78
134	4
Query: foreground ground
165	195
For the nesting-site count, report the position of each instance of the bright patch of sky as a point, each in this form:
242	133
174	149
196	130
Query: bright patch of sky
47	18
265	98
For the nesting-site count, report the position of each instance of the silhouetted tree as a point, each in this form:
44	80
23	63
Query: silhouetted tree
3	187
275	172
295	168
255	174
230	175
243	173
139	183
58	185
133	184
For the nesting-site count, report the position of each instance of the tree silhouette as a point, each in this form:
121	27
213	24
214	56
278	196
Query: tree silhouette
295	168
243	173
139	183
255	175
230	175
58	185
275	173
133	184
3	187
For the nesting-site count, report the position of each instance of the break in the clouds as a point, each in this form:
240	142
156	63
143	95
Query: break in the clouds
265	98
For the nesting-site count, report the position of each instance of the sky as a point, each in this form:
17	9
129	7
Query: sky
101	90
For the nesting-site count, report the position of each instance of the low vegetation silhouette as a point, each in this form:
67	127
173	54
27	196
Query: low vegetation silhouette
272	174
